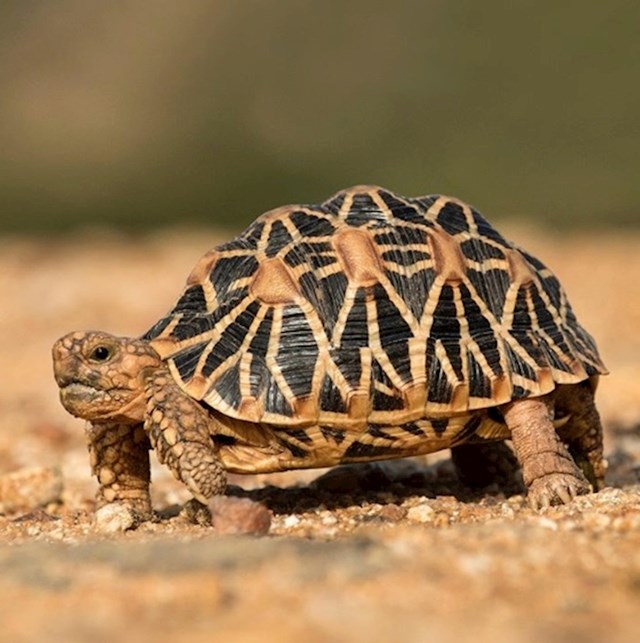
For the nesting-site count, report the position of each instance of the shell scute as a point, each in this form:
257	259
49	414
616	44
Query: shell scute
452	218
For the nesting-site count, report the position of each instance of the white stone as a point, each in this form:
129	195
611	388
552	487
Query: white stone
421	513
291	521
114	518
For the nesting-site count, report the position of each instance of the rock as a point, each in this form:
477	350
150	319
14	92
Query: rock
28	489
291	521
392	512
239	516
421	513
114	518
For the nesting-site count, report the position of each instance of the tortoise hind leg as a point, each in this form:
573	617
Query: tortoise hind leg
549	471
583	431
480	464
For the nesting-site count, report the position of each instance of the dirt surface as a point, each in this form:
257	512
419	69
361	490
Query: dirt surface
396	551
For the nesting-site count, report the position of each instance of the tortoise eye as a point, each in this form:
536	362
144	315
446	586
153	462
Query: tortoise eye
100	353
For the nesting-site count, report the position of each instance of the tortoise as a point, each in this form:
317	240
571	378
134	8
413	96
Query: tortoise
371	326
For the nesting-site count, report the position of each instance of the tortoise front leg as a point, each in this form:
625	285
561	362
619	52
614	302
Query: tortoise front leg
120	460
180	432
549	472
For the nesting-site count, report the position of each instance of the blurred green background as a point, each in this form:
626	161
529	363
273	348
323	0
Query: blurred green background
145	113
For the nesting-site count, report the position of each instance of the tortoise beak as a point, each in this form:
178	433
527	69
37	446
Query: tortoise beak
65	364
78	397
73	394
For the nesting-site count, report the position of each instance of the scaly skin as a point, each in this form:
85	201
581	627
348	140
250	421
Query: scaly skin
120	461
583	432
125	391
548	470
180	433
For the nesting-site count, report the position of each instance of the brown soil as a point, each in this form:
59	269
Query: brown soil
397	551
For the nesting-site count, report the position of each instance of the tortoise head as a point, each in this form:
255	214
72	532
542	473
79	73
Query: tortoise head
103	377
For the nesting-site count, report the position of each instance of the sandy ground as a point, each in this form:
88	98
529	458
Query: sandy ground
376	553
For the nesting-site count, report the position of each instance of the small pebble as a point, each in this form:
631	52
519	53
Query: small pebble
441	519
328	519
291	521
33	530
610	495
114	518
507	510
231	515
546	523
392	512
421	513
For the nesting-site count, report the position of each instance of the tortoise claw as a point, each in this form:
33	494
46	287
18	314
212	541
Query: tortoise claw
555	489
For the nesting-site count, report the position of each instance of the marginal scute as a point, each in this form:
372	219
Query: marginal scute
198	386
306	408
501	389
415	395
359	405
250	409
460	398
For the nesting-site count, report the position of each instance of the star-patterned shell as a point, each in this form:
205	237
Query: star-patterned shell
370	308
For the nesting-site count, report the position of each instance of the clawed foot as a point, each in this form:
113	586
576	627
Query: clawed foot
556	489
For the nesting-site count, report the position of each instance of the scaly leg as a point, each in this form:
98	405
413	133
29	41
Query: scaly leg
549	472
120	460
180	432
583	431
